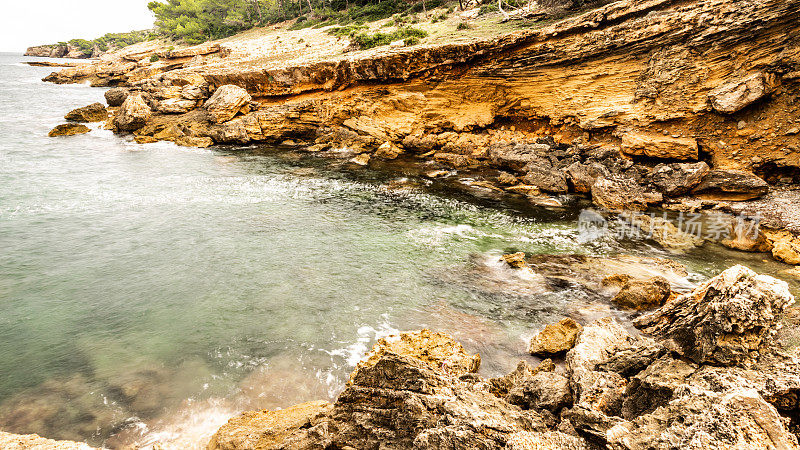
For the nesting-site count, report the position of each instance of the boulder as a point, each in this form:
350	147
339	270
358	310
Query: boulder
597	390
655	385
515	156
516	260
95	112
736	95
194	141
500	386
618	194
723	320
677	179
555	338
656	145
176	105
643	294
545	390
387	150
68	129
116	96
133	114
582	176
730	185
437	351
361	159
784	245
266	429
226	102
545	178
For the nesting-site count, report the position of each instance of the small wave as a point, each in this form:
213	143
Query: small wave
367	334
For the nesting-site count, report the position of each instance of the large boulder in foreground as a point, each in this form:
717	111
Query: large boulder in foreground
95	112
723	320
116	96
133	114
226	102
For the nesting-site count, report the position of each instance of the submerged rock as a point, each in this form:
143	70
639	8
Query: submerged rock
68	129
555	338
723	320
516	260
95	112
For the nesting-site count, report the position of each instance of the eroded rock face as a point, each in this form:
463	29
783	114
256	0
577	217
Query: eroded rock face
133	114
622	194
724	320
736	95
95	112
226	102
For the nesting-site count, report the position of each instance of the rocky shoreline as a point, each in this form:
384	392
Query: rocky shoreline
688	107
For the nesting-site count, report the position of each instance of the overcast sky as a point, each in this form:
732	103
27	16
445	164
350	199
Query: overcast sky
31	22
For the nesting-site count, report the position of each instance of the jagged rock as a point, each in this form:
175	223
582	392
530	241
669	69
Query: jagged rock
698	418
555	338
133	114
601	391
194	141
734	185
176	105
620	194
549	440
583	176
643	294
499	386
516	156
387	150
654	386
545	390
736	95
632	359
548	179
226	102
785	246
116	96
659	146
677	179
266	429
10	441
361	159
516	260
95	112
437	350
68	129
724	319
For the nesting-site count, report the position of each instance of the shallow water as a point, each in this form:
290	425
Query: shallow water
149	292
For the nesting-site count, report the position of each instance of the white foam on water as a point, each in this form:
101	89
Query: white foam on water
189	428
367	335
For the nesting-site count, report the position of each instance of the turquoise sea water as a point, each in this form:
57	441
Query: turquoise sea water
150	292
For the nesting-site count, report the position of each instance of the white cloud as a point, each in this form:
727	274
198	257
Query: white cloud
32	22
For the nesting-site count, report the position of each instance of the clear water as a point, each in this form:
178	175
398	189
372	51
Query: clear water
151	292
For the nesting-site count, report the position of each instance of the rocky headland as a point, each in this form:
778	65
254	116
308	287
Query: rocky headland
637	105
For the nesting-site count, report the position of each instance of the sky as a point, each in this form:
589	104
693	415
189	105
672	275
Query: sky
24	23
